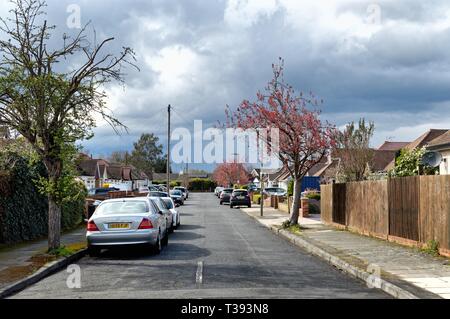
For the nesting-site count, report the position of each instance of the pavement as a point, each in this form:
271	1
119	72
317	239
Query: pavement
19	261
217	252
415	271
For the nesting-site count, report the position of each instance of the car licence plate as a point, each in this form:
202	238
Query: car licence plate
241	197
119	226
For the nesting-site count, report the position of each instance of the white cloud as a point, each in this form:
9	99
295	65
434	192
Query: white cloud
244	13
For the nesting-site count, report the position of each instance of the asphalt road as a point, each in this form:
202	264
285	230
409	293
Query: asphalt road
217	253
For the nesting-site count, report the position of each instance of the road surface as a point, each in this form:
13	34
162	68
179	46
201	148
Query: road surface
217	253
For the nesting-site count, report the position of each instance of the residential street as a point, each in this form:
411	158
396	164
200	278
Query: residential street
217	253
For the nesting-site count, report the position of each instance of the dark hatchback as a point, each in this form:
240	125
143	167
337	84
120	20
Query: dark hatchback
225	195
240	197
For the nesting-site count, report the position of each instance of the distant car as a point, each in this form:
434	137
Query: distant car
218	190
177	197
129	221
157	194
225	195
240	197
143	190
102	191
275	191
184	190
175	213
166	211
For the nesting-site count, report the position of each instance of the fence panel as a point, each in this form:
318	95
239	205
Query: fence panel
434	215
339	202
404	207
368	208
326	203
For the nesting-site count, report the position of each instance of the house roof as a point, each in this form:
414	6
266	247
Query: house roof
420	142
426	138
393	146
114	172
443	140
381	159
88	167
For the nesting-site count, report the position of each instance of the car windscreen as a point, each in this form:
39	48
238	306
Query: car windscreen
176	193
126	207
168	203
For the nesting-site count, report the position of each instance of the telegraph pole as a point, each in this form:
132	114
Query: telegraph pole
168	149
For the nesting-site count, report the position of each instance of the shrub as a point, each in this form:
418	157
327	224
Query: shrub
257	199
290	189
313	209
23	209
201	185
312	195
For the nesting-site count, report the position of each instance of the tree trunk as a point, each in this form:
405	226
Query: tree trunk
54	224
54	169
296	203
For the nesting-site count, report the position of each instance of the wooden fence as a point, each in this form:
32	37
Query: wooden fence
411	210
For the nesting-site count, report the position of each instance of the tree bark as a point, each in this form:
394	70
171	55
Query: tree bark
54	224
54	169
296	202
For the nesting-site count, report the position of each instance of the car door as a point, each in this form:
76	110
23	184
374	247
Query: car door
160	217
167	214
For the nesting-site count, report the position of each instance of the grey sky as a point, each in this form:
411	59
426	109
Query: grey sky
389	63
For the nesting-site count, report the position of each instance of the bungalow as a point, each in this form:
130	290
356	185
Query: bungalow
420	142
442	145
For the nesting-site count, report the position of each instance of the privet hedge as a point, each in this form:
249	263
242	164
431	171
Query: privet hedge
201	185
23	210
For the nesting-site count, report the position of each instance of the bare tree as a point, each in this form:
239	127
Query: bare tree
49	107
353	149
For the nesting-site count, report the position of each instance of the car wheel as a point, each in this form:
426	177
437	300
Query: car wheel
94	251
165	240
171	229
158	246
231	206
250	206
221	203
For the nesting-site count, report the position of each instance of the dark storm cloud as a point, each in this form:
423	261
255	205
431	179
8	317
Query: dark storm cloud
200	55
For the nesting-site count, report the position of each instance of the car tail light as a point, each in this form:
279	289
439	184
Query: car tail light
91	226
146	224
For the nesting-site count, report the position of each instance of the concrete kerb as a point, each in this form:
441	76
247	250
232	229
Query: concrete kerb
383	284
42	273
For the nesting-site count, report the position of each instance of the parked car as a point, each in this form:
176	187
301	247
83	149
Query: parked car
240	197
166	211
157	194
183	190
175	213
218	190
102	191
225	195
275	191
177	197
143	190
129	221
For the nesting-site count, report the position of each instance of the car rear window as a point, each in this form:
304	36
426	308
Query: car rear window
126	207
168	203
240	193
228	191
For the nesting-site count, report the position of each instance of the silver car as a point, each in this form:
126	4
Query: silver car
175	213
131	221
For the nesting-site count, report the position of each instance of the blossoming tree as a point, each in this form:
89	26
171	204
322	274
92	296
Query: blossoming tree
304	139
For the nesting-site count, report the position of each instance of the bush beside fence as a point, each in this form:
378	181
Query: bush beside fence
411	210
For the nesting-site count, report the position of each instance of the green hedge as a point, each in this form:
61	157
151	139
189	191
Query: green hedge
201	185
23	210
